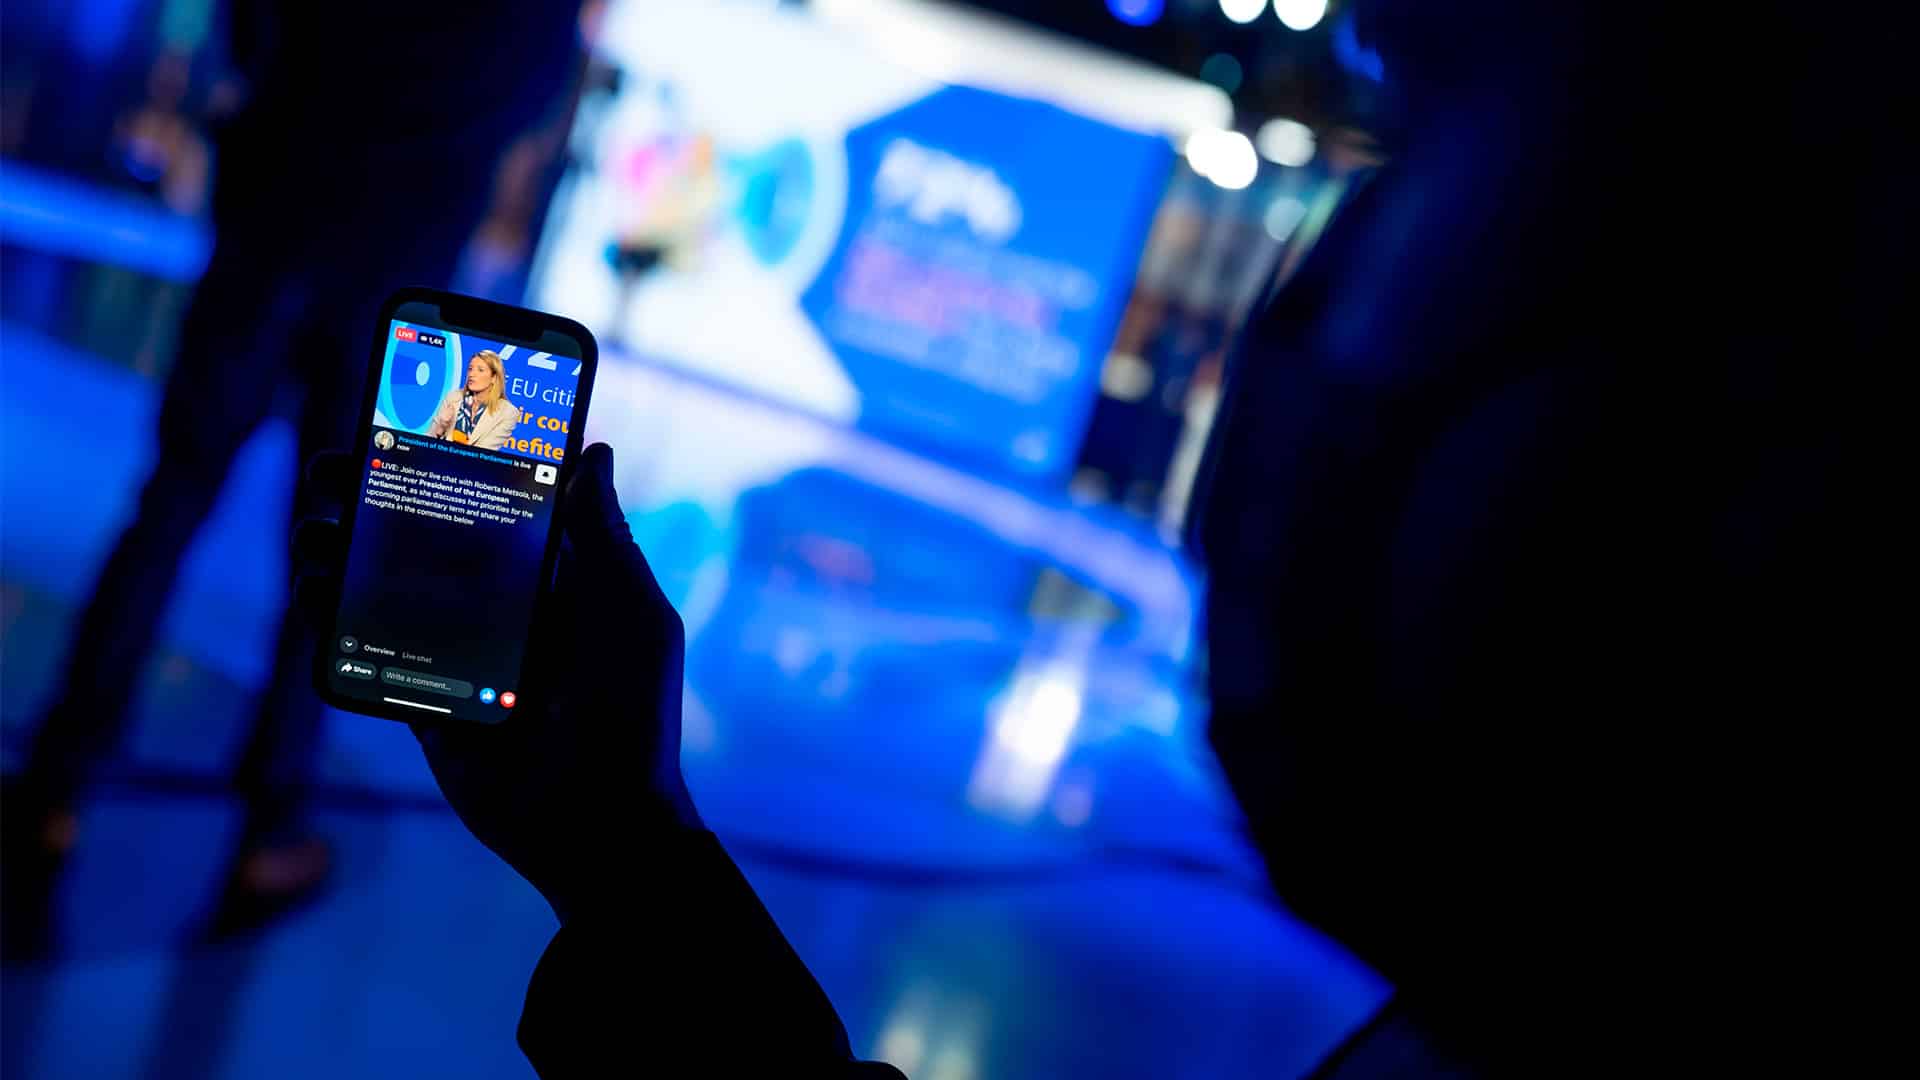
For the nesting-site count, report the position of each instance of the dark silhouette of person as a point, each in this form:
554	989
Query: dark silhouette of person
360	163
665	956
1524	482
1505	511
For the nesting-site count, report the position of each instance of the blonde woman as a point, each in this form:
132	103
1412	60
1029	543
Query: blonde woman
478	413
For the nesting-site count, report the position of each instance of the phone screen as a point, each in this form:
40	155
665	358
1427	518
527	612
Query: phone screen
449	539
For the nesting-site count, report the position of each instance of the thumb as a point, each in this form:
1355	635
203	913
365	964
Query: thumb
596	525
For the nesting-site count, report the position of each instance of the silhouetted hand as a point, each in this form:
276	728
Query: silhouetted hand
587	770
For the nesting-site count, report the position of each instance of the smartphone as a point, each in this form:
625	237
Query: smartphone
468	430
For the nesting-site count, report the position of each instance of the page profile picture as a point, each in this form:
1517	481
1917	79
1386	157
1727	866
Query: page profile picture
544	474
383	440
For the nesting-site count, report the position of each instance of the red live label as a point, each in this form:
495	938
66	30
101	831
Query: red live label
405	333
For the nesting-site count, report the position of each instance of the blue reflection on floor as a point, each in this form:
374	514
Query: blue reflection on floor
947	727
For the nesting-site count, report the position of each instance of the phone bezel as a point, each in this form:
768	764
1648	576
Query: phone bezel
499	322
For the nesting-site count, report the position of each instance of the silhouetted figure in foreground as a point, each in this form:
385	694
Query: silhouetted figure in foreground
360	164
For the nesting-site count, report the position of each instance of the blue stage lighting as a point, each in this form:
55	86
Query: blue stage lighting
1137	12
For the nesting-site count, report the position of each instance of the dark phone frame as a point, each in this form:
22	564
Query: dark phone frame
499	322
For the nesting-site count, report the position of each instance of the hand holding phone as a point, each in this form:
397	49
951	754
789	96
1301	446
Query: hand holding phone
571	781
567	790
483	586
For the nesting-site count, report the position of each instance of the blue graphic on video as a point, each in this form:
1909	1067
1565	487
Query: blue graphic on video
417	379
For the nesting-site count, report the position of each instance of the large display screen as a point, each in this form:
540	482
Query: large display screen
941	265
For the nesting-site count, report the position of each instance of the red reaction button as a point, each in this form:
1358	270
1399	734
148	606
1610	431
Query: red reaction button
507	699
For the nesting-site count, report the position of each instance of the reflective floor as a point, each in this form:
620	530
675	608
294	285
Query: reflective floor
948	728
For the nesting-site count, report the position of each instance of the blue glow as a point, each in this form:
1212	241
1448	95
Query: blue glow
100	29
1355	57
1137	12
50	213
